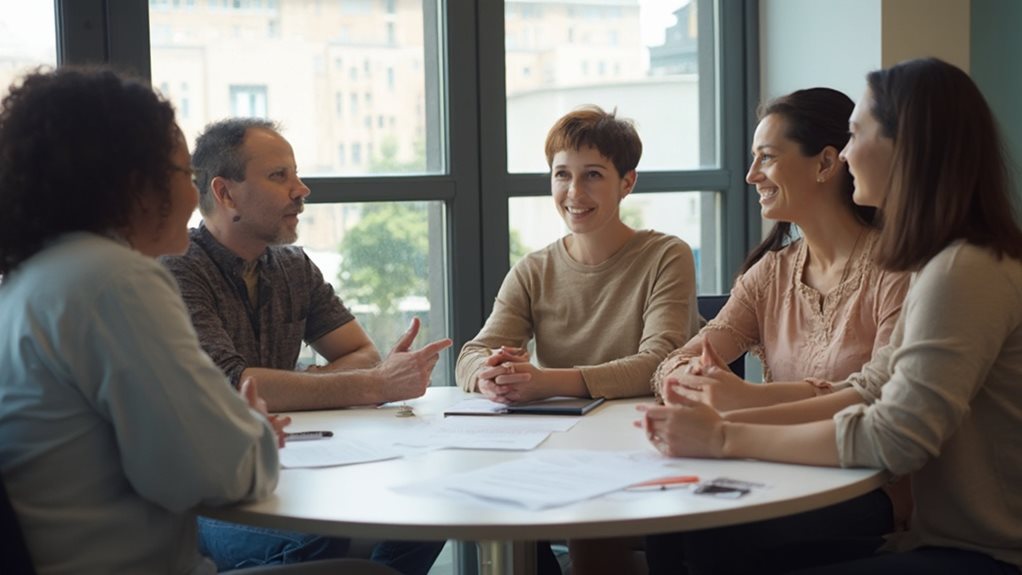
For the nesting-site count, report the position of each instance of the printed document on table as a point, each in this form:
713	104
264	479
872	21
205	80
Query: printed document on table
548	478
437	433
476	406
438	438
333	452
518	423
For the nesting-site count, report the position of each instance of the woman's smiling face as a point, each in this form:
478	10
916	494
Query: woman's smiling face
587	189
783	176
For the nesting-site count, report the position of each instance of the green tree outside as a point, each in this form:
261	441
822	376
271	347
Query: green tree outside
384	260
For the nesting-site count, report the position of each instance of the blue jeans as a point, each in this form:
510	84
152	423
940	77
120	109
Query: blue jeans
235	546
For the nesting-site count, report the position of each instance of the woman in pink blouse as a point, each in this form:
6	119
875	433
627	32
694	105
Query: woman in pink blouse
813	308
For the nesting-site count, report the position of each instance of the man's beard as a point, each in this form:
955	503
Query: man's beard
284	237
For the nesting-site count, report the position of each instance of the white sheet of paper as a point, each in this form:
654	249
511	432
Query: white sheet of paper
473	424
549	478
438	433
439	438
334	451
476	406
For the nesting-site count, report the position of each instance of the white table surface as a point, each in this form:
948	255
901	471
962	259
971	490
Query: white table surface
356	500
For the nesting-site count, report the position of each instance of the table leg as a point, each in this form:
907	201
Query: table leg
507	557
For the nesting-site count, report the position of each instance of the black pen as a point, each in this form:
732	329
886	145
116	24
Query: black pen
307	435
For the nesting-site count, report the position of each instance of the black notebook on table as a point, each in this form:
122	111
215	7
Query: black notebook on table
557	406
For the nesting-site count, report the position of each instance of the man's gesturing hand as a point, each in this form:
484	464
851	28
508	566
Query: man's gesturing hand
405	372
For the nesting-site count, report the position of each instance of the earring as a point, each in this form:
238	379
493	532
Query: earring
819	179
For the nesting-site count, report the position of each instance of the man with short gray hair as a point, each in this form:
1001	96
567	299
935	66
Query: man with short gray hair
254	299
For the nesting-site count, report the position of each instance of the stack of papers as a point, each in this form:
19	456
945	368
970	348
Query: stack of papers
476	406
519	433
547	479
438	438
334	451
523	432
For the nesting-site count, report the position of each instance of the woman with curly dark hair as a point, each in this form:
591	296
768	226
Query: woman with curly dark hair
78	156
113	422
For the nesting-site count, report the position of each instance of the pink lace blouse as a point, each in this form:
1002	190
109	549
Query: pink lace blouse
799	333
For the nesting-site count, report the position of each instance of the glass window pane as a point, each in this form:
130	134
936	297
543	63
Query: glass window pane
329	72
28	39
386	261
535	223
653	60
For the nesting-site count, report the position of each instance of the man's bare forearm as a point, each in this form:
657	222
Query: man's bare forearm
363	358
297	391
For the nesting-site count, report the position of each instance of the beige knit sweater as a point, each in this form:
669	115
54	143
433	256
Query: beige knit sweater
615	321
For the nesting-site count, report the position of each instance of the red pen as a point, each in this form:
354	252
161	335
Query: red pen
664	483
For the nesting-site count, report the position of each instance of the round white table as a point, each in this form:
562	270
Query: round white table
357	500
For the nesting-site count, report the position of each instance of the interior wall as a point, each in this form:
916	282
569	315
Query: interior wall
924	28
836	42
996	64
807	43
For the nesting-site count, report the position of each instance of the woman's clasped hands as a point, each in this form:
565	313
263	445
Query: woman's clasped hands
509	377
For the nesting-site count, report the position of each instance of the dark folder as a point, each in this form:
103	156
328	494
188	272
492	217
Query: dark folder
557	406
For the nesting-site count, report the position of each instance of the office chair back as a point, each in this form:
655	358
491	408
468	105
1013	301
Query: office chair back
14	556
709	307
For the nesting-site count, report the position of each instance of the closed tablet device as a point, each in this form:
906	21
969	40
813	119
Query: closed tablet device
557	406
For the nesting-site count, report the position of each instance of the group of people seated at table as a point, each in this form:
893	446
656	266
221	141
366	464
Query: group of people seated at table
144	362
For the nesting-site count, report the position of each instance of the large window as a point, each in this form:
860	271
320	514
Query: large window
640	57
27	39
355	86
246	102
383	262
653	61
351	74
419	124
